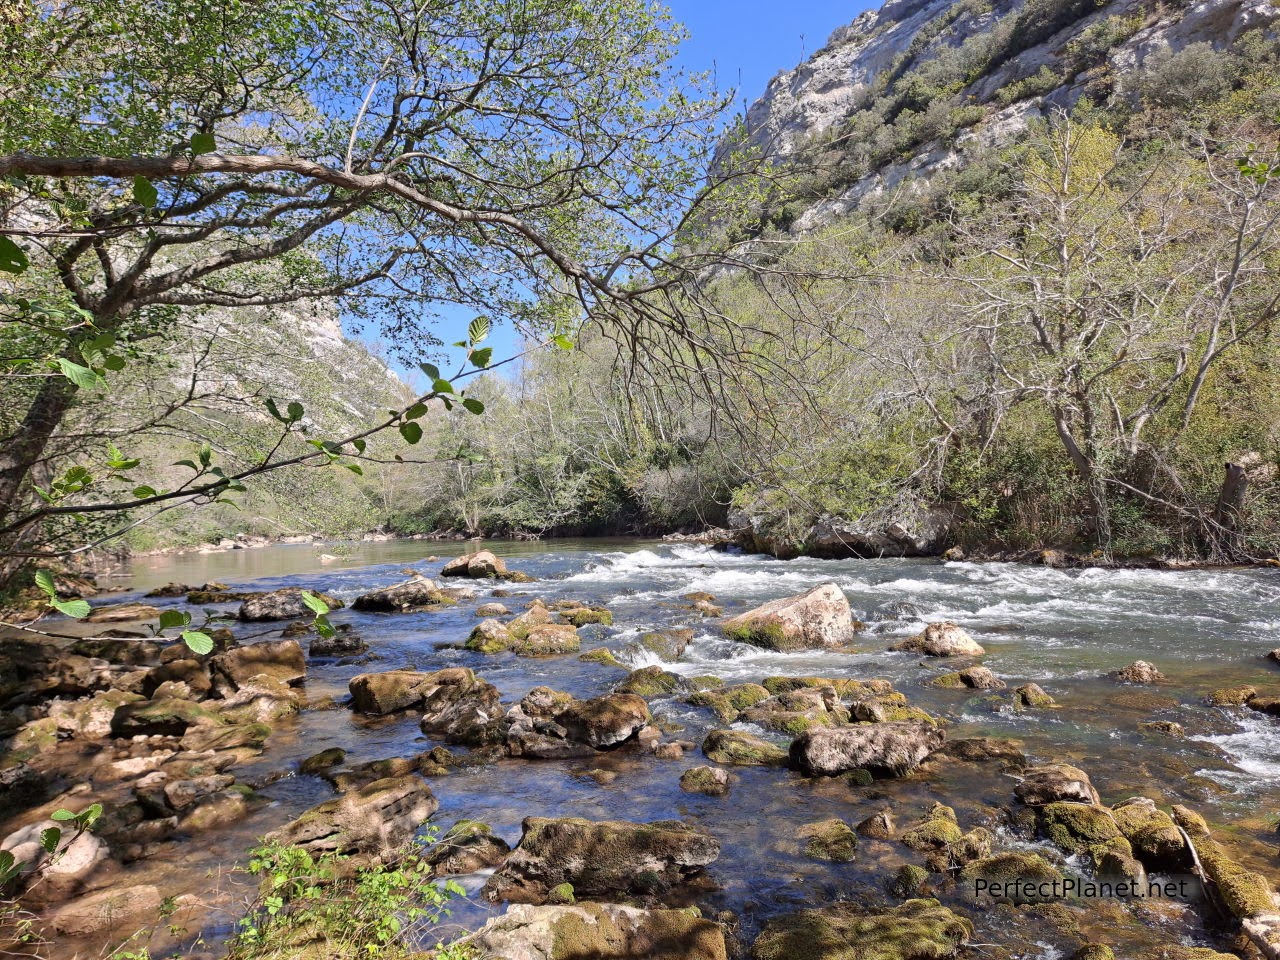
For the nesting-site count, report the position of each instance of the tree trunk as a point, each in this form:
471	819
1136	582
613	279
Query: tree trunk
1228	510
28	444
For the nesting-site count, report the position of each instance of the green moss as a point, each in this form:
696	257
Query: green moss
1018	877
1094	951
950	681
728	702
582	616
1075	827
1231	696
914	930
702	682
908	882
832	840
935	831
561	894
741	749
650	682
768	634
601	655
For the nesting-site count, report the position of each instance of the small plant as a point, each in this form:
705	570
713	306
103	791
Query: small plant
380	911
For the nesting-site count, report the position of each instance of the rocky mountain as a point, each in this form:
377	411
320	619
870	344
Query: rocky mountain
922	86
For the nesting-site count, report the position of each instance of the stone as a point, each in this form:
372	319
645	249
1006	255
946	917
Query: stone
1017	877
89	718
729	701
831	839
373	819
604	721
981	749
944	639
324	760
189	670
1268	705
547	639
343	642
667	645
78	861
415	594
891	749
934	831
878	826
818	619
480	565
166	717
914	930
107	909
122	612
974	678
712	781
737	748
489	636
597	931
1231	696
796	711
260	699
492	610
652	682
243	736
1152	835
585	616
1055	782
216	811
1140	672
1162	728
462	708
468	846
1246	894
378	694
1030	696
184	794
1077	827
280	660
283	604
602	859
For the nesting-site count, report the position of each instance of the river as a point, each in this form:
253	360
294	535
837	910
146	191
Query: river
1062	629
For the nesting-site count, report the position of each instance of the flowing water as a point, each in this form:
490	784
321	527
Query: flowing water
1062	629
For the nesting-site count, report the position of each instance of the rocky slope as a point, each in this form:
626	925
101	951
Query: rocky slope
956	77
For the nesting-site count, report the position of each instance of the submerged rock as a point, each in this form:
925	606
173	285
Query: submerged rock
818	619
597	931
284	604
601	860
915	930
106	909
741	749
891	749
374	819
712	781
728	702
1031	696
1017	877
344	642
468	846
878	826
831	839
944	639
122	612
974	678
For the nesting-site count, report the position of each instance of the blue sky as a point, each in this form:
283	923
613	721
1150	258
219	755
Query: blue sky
745	43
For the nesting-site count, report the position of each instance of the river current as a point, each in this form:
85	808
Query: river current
1062	629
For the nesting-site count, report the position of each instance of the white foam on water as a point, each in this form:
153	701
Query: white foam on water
1254	749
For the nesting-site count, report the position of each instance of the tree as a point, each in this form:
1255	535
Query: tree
532	160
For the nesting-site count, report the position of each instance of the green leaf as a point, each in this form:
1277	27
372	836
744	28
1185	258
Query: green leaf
475	406
442	386
416	411
431	370
62	815
144	491
202	143
563	342
13	259
359	444
324	627
478	329
144	192
113	363
81	376
44	580
174	618
295	411
314	603
49	839
9	867
482	357
72	608
355	468
411	432
198	641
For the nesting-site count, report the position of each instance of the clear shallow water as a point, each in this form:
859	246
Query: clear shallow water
1062	629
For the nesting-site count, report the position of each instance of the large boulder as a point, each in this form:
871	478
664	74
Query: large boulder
601	860
604	722
914	930
80	861
478	566
818	619
944	639
891	749
462	708
410	595
281	660
372	819
1153	836
599	931
283	604
390	691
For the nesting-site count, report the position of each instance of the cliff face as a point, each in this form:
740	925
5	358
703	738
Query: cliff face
955	78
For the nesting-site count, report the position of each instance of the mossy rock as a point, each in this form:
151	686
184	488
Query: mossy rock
948	681
936	830
1231	696
1162	728
322	760
583	616
667	645
1014	876
844	686
742	749
914	930
561	894
832	840
908	882
1075	827
1030	696
651	682
728	702
1094	951
709	780
1153	836
706	682
763	633
601	655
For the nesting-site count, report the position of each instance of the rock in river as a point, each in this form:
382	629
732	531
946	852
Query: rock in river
605	721
598	931
1055	782
373	819
285	604
941	640
478	566
884	749
818	619
281	660
602	860
1139	672
412	594
914	930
